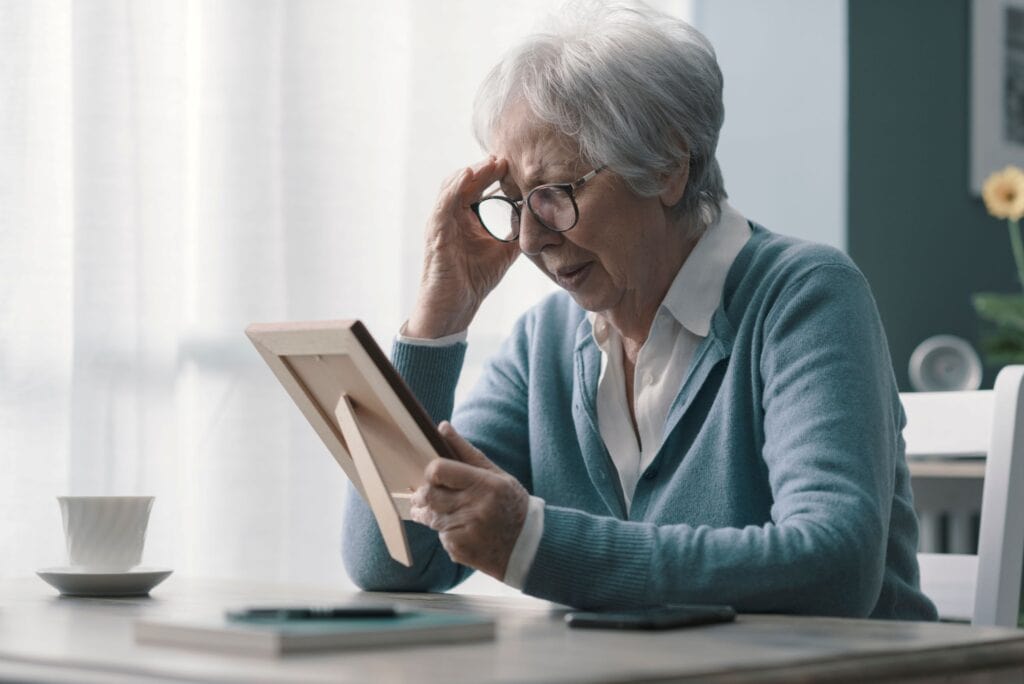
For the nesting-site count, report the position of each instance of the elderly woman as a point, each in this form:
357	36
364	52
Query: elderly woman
707	411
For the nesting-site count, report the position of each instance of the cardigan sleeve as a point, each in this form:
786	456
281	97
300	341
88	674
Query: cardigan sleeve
830	446
431	373
498	402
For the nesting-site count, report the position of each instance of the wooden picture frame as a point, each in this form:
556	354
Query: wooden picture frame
363	411
997	88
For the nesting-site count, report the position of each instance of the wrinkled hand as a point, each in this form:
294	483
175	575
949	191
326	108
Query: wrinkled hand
477	508
461	262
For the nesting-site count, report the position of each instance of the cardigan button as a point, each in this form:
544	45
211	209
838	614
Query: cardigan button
651	474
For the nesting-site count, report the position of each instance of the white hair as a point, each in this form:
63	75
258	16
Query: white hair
638	90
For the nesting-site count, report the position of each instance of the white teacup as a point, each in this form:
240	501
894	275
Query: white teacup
105	533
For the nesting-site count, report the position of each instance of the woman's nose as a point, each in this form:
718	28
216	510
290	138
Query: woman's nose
534	236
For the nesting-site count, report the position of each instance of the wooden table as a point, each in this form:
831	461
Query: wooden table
44	637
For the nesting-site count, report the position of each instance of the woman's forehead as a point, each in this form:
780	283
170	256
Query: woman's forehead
534	153
531	175
519	131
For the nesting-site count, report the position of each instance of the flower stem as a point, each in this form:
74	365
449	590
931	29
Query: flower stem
1018	250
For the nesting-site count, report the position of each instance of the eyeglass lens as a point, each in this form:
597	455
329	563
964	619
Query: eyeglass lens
552	205
500	217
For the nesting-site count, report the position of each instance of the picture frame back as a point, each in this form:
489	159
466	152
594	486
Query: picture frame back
361	409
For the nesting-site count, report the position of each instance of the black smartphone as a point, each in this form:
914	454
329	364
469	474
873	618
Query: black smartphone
664	617
293	613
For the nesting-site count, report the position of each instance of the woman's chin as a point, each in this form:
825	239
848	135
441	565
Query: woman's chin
588	301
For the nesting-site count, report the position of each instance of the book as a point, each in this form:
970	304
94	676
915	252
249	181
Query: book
271	637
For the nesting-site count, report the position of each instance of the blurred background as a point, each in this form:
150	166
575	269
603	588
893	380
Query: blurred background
173	170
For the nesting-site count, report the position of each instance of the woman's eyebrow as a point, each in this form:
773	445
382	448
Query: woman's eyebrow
542	175
507	186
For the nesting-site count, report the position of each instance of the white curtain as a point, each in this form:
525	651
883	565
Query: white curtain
171	171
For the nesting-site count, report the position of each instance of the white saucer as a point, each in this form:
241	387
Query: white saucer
72	581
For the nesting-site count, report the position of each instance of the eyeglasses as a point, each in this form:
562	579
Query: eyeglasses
553	205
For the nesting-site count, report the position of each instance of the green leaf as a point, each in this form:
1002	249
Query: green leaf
1003	346
1005	310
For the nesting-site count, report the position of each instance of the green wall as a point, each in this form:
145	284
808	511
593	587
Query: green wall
923	241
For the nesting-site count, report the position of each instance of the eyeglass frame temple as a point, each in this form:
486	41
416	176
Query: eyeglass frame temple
587	177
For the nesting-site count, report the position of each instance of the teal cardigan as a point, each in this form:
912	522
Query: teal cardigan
781	486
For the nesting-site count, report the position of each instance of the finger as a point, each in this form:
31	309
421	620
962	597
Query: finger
468	187
466	452
444	472
449	182
449	195
419	497
489	160
422	515
439	522
480	177
443	499
455	545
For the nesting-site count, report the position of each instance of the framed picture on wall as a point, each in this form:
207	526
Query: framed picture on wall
997	87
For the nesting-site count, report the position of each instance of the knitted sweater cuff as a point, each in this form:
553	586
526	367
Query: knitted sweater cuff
588	561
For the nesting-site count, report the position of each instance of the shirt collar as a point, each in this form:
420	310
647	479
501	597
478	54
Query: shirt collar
696	291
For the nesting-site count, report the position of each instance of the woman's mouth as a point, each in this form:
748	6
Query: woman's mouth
571	277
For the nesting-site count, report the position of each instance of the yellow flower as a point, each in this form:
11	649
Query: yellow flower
1003	193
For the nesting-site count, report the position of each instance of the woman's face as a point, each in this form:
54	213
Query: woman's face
623	253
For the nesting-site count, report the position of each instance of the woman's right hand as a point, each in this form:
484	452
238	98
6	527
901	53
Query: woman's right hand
462	263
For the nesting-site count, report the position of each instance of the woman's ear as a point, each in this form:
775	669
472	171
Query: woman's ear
675	185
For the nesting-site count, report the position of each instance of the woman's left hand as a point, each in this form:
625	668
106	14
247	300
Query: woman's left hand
476	507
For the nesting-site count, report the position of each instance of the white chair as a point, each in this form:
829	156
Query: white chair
942	429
